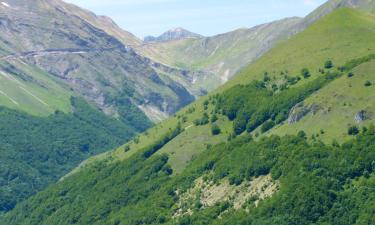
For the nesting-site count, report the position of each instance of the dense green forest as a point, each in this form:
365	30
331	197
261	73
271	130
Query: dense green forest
317	184
36	151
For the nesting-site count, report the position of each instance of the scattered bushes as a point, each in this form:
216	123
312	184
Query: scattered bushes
253	104
202	121
356	62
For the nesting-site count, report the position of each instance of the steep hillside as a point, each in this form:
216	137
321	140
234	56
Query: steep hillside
80	53
339	37
350	102
102	22
36	151
207	165
225	55
172	35
329	6
274	181
30	89
51	55
222	55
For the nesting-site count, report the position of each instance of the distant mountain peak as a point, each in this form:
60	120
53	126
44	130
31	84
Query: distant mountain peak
177	33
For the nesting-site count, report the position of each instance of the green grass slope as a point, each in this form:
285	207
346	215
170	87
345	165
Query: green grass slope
337	106
342	36
27	88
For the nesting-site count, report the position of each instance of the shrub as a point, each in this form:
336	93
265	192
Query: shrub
368	83
214	118
301	134
353	130
267	126
266	78
328	64
305	73
205	104
215	129
350	74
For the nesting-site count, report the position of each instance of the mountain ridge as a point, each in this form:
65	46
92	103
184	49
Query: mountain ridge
75	35
173	34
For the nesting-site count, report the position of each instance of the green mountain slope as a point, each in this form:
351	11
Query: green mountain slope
274	181
203	167
342	36
350	102
44	68
27	88
36	151
335	37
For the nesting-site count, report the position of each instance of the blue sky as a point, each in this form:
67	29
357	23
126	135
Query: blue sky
207	17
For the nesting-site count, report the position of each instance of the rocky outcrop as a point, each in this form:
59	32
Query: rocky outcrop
299	111
361	116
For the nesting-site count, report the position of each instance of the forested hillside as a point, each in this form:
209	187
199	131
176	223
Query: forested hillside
288	180
36	151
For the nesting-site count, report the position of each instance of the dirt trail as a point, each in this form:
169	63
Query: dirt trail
48	52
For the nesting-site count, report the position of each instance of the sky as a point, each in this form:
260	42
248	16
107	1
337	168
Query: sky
206	17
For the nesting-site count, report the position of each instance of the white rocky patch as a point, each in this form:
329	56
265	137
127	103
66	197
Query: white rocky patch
153	113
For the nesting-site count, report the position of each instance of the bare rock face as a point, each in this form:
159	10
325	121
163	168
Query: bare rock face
361	116
90	54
